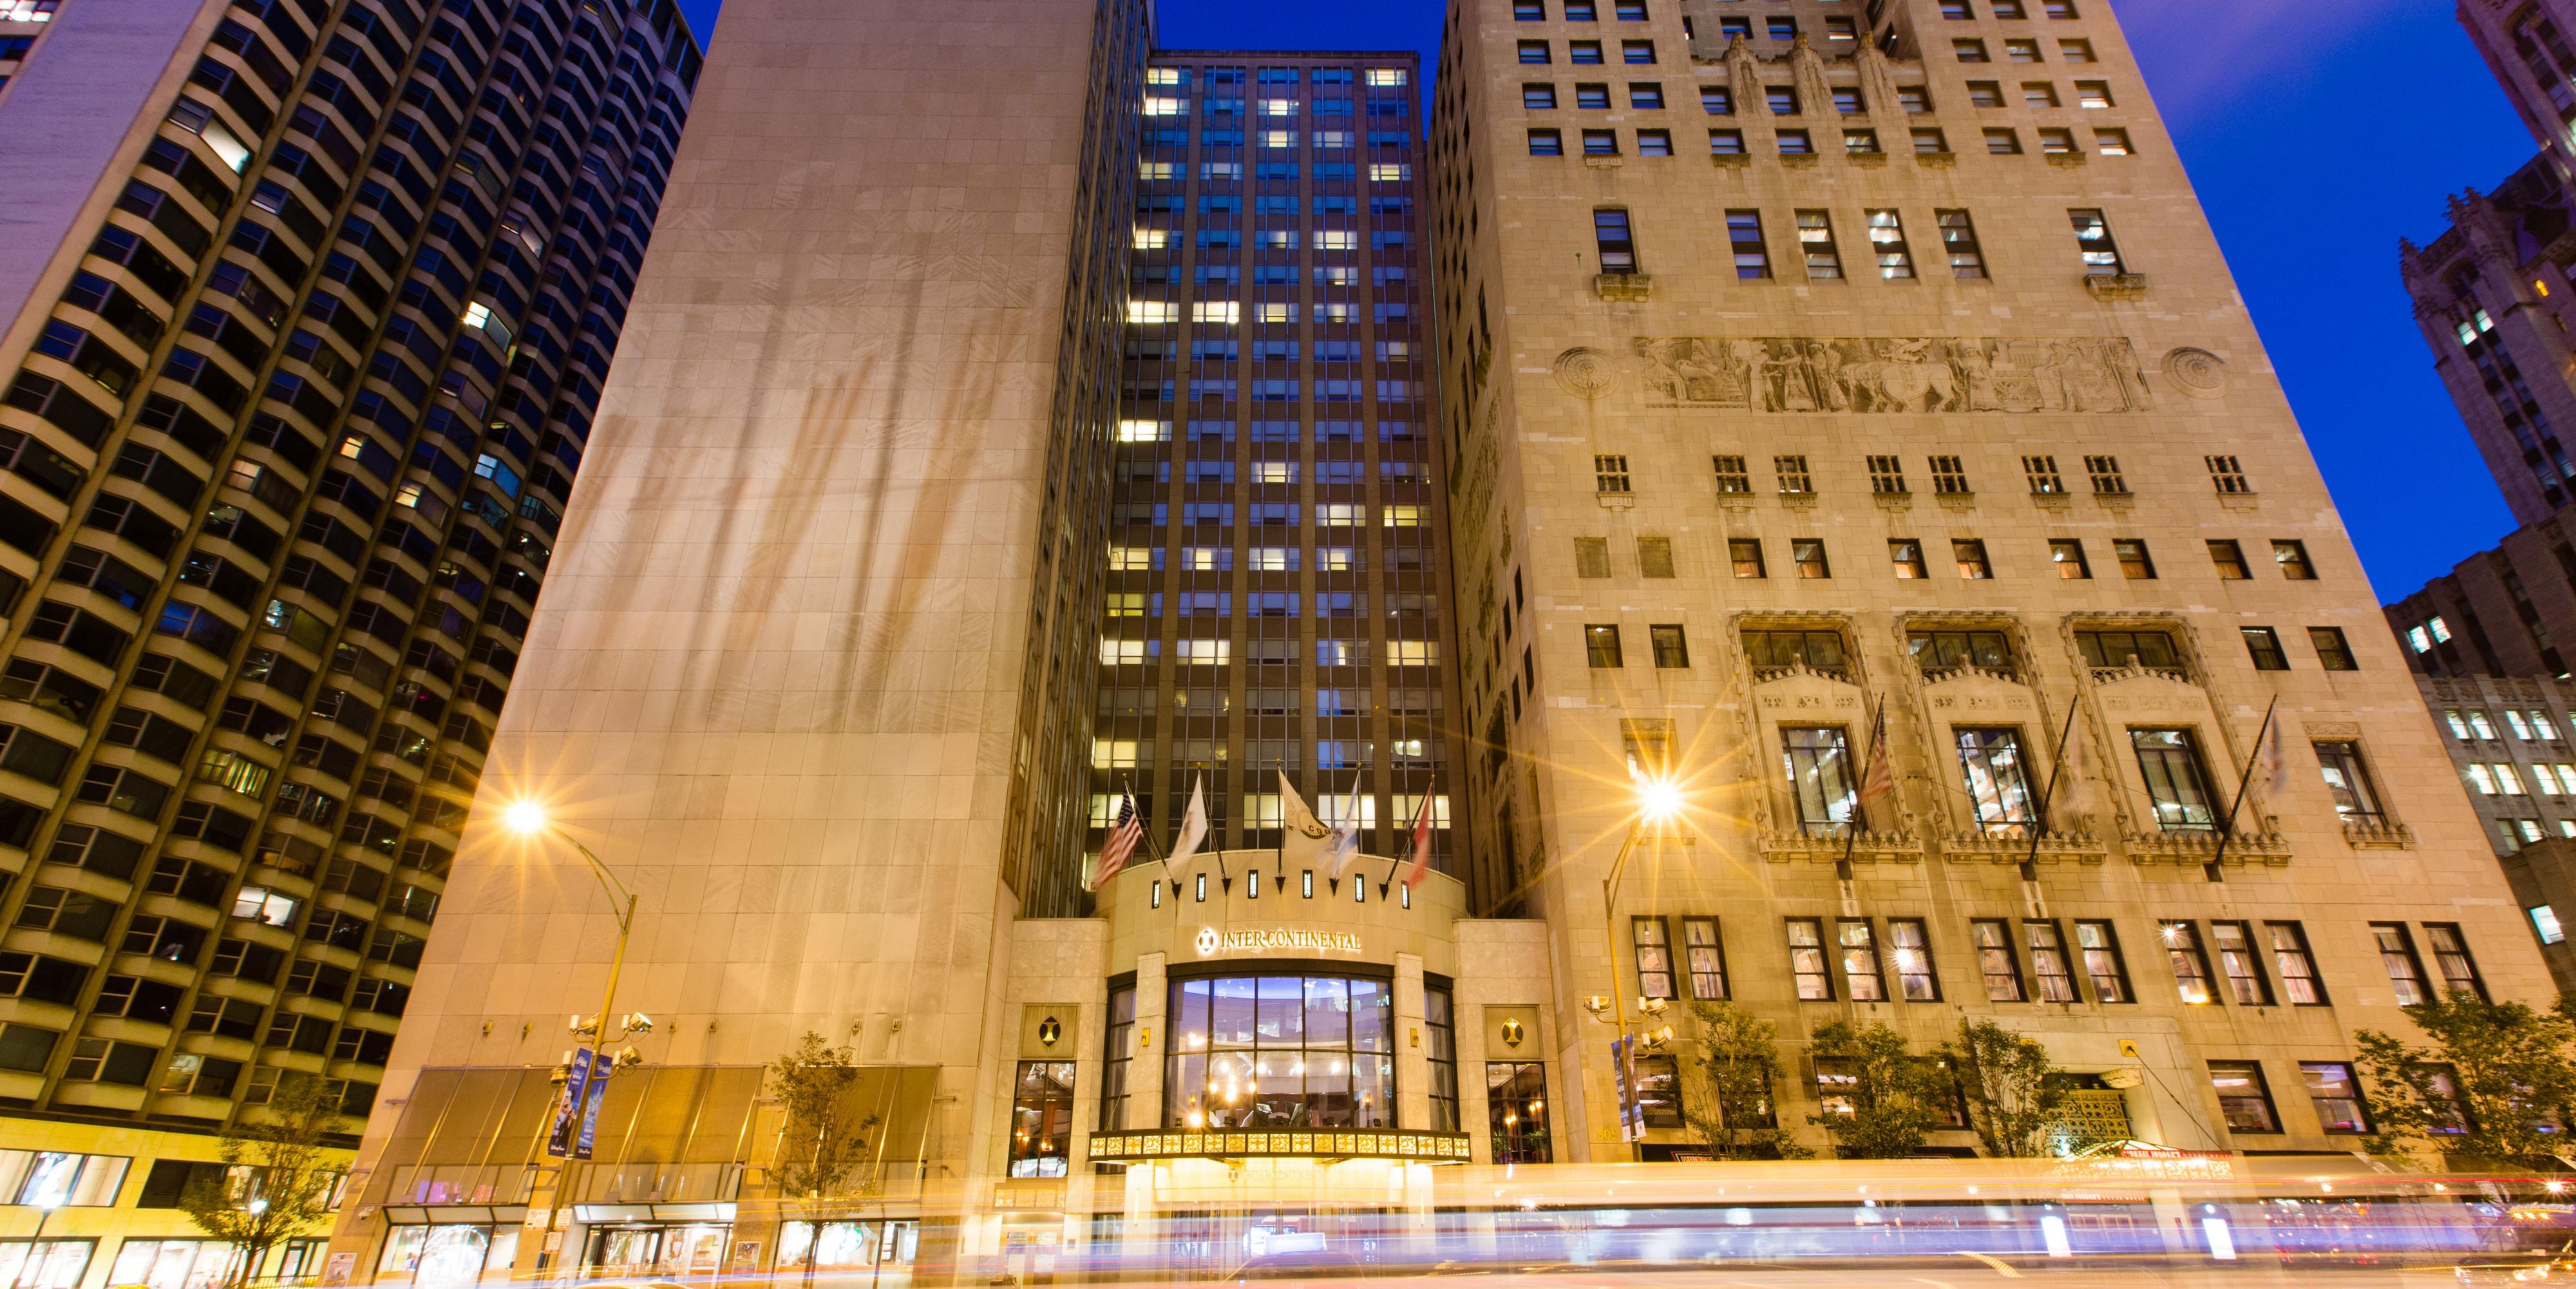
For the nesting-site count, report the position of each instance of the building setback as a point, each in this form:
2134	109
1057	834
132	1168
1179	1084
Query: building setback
1809	364
1278	542
303	317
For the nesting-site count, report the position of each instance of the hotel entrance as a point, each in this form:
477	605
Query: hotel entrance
678	1250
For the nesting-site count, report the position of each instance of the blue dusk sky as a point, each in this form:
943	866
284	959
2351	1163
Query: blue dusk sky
2318	133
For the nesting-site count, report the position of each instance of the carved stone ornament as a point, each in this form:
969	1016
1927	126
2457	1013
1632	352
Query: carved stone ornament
1586	373
1890	375
2197	372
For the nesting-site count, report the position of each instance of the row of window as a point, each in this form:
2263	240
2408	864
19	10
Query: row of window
1588	53
1373	78
1615	240
1265	559
1848	100
1969	555
1797	478
2045	960
1148	430
1220	653
2470	724
2001	141
1265	313
1671	649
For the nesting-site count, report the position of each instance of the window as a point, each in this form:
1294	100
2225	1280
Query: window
1583	53
1807	960
1534	51
1809	555
2048	963
2291	557
2397	955
1538	98
1545	143
1653	942
2240	965
1610	234
1990	762
1659	1091
2152	649
1782	100
2227	476
2243	1101
1655	556
1716	100
2135	564
1970	51
2169	760
1959	239
1601	143
1645	94
1732	476
2037	94
1529	10
1746	553
2229	559
1969	554
2113	143
1042	1119
1936	651
2102	962
2075	51
1706	958
1857	942
1778	650
1816	238
2041	471
1592	557
1887	476
1654	143
2336	1094
2297	968
2190	962
1910	952
1744	231
2544	922
1847	100
1905	556
2451	956
1224	1031
1592	95
1996	960
1887	241
2104	472
2264	645
1818	758
2093	94
2067	553
2024	51
1915	99
2348	782
1860	141
2334	652
1930	141
2056	142
1988	94
1610	473
1601	645
1726	143
2093	240
2003	141
1637	53
1671	648
1516	1111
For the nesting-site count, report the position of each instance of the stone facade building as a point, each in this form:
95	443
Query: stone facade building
303	312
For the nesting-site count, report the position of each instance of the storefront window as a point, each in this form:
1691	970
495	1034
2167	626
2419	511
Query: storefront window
1516	1111
1441	1048
173	1264
667	1249
58	1264
847	1245
1042	1119
447	1254
1286	1051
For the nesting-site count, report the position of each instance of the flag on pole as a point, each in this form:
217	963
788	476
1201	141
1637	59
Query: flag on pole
1124	832
2274	762
1879	781
1295	818
1421	865
1194	829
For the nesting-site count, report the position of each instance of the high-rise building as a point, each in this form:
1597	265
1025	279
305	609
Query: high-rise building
307	309
22	24
1817	489
1847	395
1278	581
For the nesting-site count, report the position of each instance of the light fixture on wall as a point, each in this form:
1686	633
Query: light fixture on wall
1049	1030
1512	1033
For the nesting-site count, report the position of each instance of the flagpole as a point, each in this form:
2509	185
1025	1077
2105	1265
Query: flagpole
1150	847
2244	781
1851	827
2047	794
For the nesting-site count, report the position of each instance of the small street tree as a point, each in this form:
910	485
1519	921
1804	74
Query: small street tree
1736	1058
2004	1078
1890	1096
2492	1083
824	1145
279	1180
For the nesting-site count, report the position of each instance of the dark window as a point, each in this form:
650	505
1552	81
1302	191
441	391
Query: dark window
2263	644
1653	942
2169	760
1618	246
1672	648
1601	645
2334	652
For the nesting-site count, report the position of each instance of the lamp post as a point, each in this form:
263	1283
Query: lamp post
1659	802
35	1243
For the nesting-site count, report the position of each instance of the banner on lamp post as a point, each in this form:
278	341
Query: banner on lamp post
576	1123
1623	1070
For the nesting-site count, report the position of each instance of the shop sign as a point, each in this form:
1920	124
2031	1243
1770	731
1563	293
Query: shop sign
1212	942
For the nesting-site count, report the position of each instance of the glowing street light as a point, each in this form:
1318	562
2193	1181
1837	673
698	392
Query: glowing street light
528	818
1659	801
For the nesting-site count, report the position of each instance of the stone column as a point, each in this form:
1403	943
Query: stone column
1412	1050
1147	1045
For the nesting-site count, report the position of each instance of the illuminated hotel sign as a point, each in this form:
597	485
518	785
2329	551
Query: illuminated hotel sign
1213	942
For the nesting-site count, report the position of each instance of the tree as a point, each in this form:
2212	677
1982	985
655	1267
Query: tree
2004	1078
823	1144
1736	1056
2493	1078
1891	1096
278	1179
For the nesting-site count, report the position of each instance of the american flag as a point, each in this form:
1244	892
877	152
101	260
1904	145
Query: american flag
1880	779
1124	833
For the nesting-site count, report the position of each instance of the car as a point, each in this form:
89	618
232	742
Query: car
2540	1268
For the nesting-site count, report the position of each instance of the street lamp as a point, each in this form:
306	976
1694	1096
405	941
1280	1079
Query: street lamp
35	1243
1659	803
529	819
